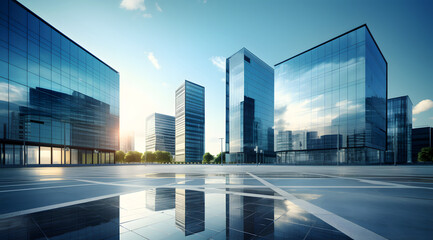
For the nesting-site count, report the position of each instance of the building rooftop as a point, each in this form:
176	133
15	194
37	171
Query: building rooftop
364	25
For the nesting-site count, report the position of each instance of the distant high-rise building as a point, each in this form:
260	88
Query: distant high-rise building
330	103
190	122
160	133
421	138
399	130
59	103
249	108
127	142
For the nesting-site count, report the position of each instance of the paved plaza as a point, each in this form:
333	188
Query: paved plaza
217	202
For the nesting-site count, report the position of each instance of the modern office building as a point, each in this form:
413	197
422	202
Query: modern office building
189	122
330	103
59	104
160	133
127	141
399	148
249	109
421	138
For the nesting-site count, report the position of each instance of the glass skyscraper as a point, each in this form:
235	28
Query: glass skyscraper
249	108
160	133
331	103
399	130
59	103
189	122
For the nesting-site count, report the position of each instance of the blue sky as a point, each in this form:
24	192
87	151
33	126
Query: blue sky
155	45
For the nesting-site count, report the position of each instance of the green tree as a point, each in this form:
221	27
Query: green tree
148	156
218	158
207	158
119	156
133	156
163	156
426	155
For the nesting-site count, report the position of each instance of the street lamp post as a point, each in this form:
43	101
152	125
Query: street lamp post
263	154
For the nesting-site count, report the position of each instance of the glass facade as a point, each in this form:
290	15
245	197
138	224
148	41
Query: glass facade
159	199
189	122
55	97
331	101
190	211
160	133
399	148
241	209
249	108
421	138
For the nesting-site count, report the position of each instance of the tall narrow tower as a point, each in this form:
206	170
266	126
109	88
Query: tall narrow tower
189	122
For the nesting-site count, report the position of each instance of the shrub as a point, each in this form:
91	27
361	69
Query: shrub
426	155
133	156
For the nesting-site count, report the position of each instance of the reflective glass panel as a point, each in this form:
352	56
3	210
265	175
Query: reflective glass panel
45	155
32	155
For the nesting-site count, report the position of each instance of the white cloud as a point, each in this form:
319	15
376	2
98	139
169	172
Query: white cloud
307	113
422	106
219	62
147	15
133	5
413	119
153	60
223	80
158	7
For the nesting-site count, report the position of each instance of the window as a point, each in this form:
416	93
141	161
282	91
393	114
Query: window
74	156
45	155
9	154
247	59
32	155
66	156
57	156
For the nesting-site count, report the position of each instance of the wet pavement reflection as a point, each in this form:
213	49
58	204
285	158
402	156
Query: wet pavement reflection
175	212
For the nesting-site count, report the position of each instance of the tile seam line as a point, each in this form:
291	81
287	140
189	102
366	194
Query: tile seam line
234	193
54	206
70	203
372	182
46	187
43	188
345	226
